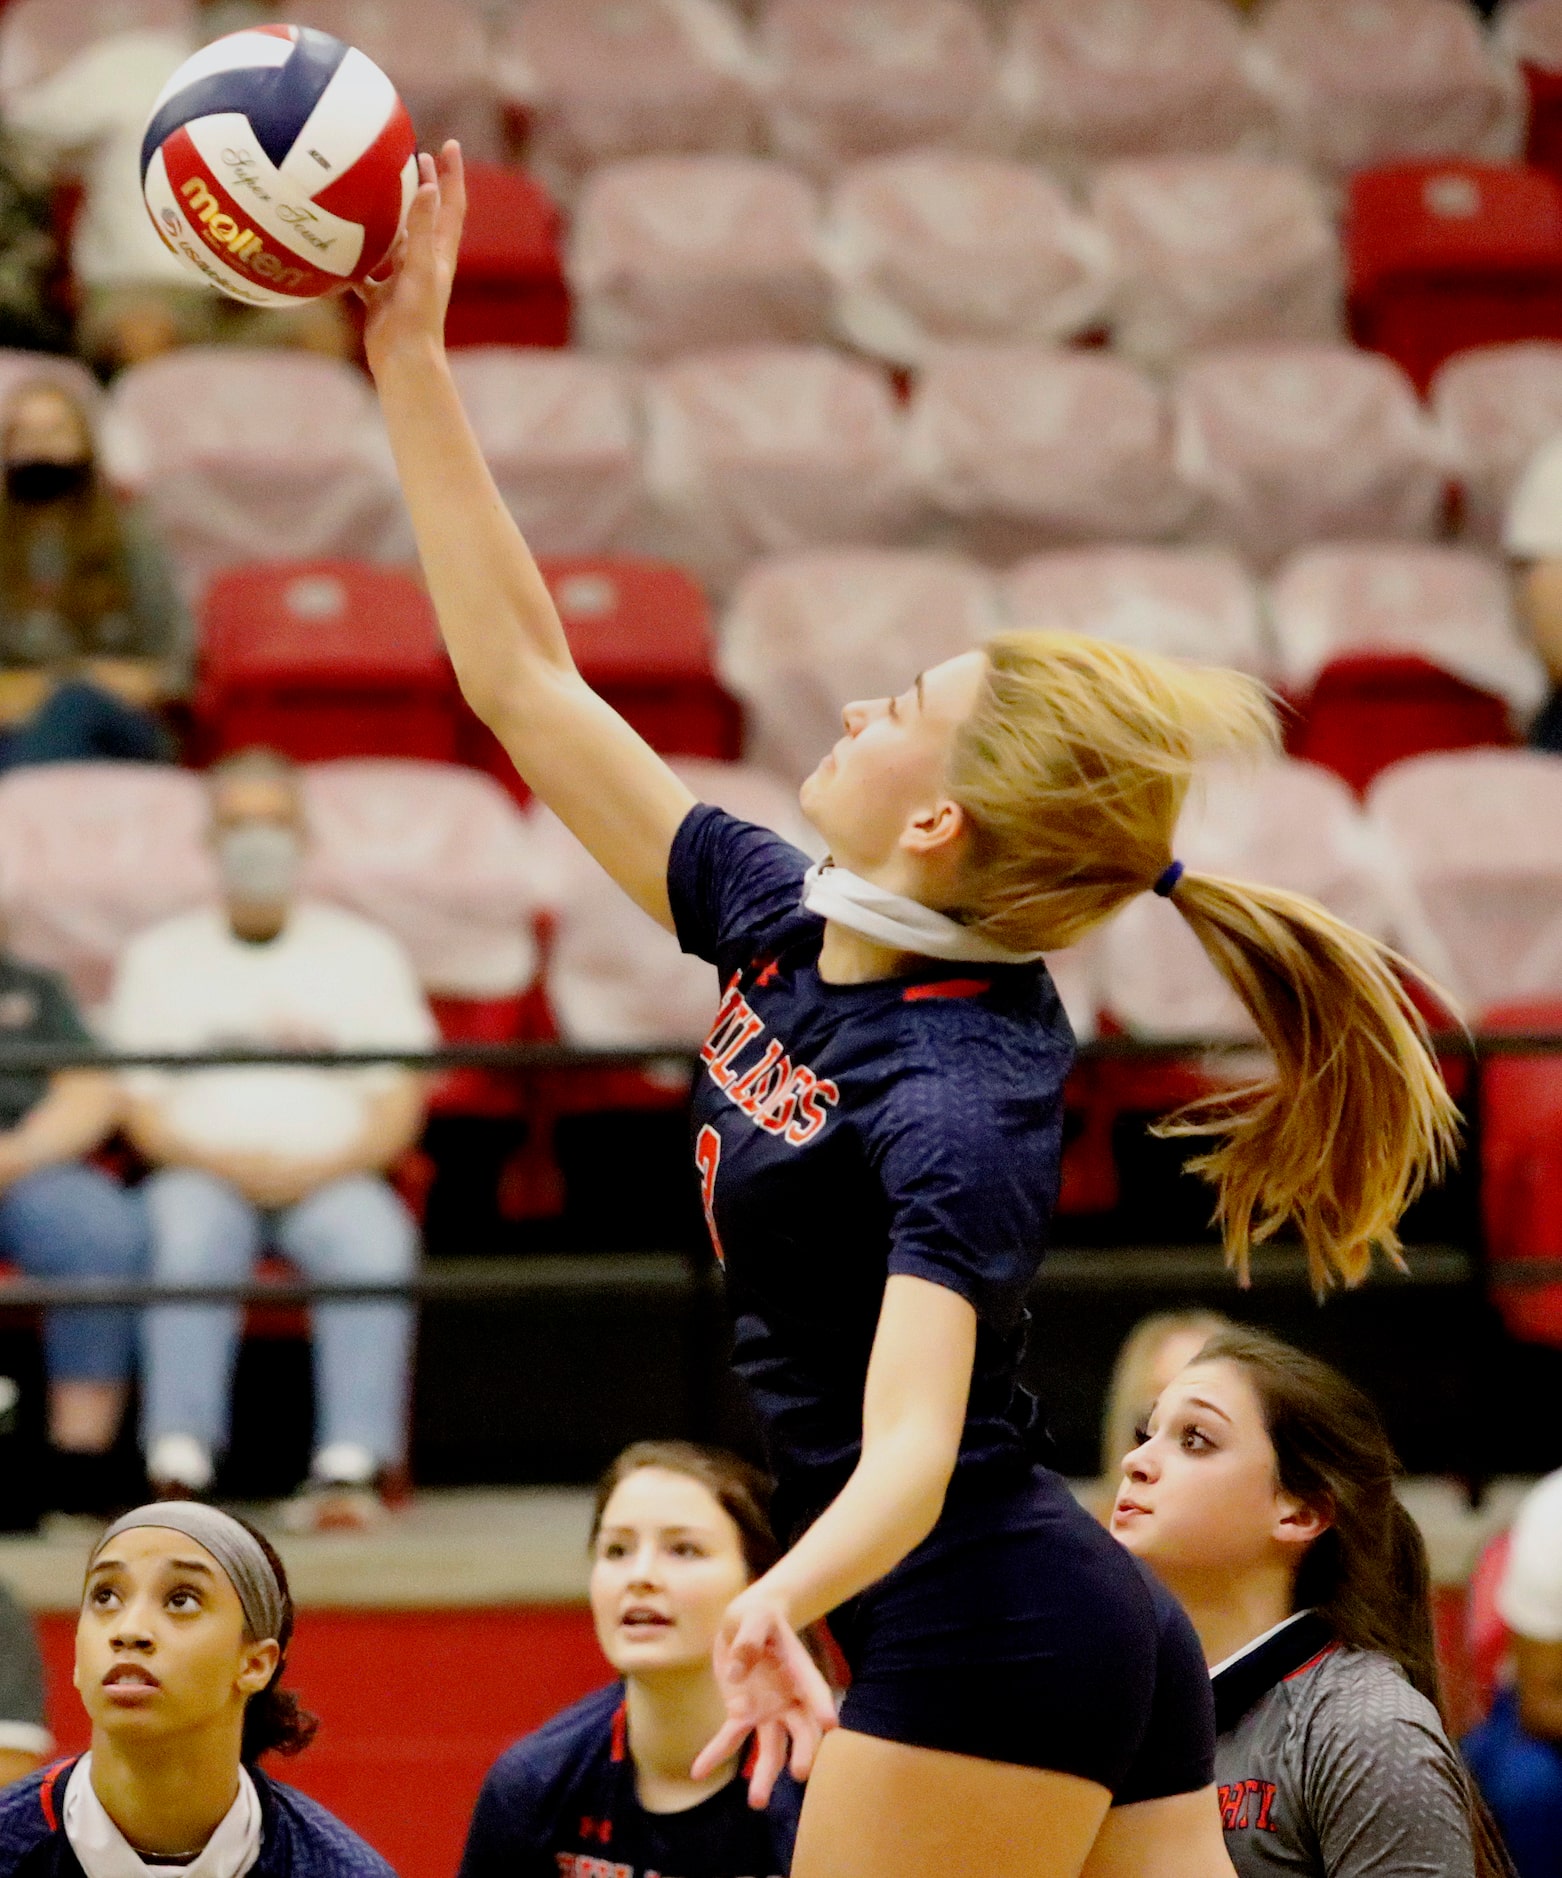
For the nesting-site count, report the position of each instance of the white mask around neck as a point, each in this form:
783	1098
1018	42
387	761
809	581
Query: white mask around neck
892	919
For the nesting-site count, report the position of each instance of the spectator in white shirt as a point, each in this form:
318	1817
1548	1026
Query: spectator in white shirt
294	1157
1516	1753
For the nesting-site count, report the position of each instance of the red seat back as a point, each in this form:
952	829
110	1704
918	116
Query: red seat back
509	288
1485	1634
324	659
1521	1168
1446	255
1368	711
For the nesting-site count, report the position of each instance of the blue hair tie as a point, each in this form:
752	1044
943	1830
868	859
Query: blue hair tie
1166	886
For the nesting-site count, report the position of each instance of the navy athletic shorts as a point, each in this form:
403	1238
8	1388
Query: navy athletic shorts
1021	1631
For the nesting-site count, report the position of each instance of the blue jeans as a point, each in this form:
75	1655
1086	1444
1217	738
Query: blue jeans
79	721
71	1221
205	1231
1521	1777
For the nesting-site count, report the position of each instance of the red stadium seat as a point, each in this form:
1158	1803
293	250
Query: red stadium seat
1486	1636
1530	32
673	253
1372	710
1444	256
1216	250
600	80
806	633
1354	85
1521	1168
1495	407
641	635
939	246
324	659
509	287
1025	447
1284	445
879	75
1089	80
1189	603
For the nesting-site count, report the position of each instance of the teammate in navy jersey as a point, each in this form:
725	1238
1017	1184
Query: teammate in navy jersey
605	1787
877	1133
181	1644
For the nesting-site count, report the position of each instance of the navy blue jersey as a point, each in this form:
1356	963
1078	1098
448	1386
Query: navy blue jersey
562	1804
298	1837
847	1133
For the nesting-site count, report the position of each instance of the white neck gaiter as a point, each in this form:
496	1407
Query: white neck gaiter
103	1851
892	919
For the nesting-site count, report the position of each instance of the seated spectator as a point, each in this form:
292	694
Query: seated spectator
1516	1753
181	1645
606	1786
31	320
294	1157
93	636
1151	1354
1532	535
136	300
62	1219
25	1741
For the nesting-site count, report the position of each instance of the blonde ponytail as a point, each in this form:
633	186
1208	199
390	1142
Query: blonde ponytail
1072	771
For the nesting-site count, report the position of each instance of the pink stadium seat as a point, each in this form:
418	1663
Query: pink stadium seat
614	976
845	82
1216	249
807	633
324	659
1022	448
673	253
599	80
1475	836
1285	445
1285	823
1450	606
1085	81
441	857
256	456
1495	407
769	449
1443	256
509	288
939	246
640	633
435	52
560	432
1353	85
90	853
1189	603
18	368
1530	33
40	37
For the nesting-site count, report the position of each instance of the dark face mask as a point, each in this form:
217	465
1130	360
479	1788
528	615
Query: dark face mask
42	479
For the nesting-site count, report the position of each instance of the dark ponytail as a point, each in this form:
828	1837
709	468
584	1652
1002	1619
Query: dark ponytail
1368	1574
275	1721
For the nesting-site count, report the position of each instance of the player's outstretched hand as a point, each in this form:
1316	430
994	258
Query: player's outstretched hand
406	304
773	1691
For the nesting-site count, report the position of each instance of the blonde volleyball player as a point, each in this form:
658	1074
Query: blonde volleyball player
877	1131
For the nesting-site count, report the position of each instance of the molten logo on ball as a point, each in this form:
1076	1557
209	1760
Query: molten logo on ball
278	164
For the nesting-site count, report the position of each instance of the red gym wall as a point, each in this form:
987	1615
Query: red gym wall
413	1707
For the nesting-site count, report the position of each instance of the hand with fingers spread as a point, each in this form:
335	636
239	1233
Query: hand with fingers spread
406	306
773	1691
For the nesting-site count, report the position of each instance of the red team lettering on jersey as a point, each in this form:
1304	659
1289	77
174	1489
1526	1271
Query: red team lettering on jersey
782	1097
1245	1806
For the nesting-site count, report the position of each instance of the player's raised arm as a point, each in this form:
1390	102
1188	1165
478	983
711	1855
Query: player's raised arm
498	618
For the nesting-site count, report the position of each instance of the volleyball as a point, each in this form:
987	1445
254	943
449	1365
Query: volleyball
278	164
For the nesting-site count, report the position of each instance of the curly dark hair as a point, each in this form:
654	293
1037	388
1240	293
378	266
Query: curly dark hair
275	1721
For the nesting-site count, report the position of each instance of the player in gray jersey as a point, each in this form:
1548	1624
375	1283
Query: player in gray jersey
1262	1495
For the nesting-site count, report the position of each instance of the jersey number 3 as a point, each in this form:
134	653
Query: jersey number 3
707	1158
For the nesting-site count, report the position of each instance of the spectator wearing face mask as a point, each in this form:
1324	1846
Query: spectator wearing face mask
93	636
291	1157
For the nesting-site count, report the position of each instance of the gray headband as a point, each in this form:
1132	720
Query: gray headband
235	1549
